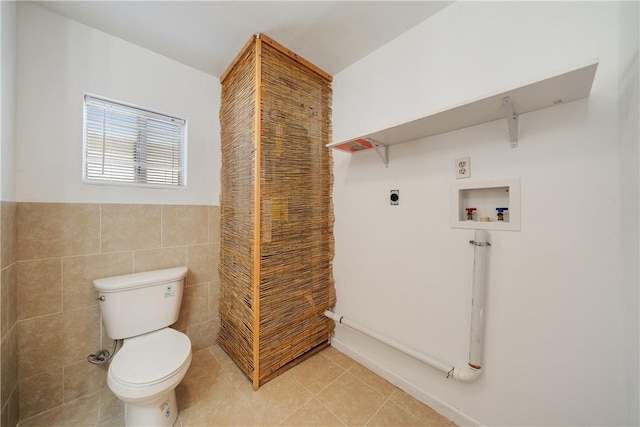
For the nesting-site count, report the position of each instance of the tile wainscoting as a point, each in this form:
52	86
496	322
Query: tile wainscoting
8	314
58	250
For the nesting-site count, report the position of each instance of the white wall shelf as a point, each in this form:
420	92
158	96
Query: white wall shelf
560	88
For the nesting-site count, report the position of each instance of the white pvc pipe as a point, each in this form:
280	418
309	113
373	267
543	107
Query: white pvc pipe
477	298
391	343
473	370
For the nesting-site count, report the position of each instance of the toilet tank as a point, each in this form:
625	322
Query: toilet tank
134	304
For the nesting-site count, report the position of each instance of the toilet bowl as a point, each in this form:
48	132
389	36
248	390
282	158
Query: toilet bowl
145	373
139	308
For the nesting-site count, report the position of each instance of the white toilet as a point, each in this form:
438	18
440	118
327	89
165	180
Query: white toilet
154	358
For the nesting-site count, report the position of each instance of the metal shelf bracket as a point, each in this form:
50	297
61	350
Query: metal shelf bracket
512	120
384	157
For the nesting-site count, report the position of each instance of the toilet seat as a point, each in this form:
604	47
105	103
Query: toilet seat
149	364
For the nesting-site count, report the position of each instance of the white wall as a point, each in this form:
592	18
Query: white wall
58	61
8	99
629	130
555	341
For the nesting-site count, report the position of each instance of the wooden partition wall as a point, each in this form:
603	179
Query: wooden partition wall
276	210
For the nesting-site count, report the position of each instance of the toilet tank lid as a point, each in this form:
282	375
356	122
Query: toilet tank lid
140	280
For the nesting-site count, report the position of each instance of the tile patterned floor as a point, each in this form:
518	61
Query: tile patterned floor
328	389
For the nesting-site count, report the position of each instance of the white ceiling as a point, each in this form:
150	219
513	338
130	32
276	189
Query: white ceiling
207	35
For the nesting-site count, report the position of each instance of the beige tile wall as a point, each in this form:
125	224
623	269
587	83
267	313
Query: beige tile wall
62	248
8	315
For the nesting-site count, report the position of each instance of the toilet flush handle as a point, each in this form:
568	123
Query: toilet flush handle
101	298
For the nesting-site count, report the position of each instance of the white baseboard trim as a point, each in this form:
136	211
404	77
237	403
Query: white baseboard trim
402	383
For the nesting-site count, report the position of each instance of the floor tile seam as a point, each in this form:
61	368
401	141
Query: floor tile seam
342	368
224	367
304	386
210	350
179	422
229	375
98	401
246	400
279	423
212	404
409	410
227	368
181	414
20	421
223	363
99	407
406	408
283	418
387	399
213	353
335	363
226	401
330	411
357	377
61	407
363	383
287	415
215	406
396	390
205	373
237	387
326	386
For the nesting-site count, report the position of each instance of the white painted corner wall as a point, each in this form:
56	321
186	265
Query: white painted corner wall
629	135
559	349
58	61
7	99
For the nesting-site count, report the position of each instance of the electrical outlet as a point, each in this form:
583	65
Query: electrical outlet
394	197
463	167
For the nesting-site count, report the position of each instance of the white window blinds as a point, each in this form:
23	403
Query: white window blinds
125	144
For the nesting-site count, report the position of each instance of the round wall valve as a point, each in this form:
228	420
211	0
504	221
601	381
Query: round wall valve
470	213
394	197
501	212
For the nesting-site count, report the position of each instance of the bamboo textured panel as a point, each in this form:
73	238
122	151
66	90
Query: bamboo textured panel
237	213
295	210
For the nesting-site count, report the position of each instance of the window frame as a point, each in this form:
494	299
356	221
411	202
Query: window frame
141	112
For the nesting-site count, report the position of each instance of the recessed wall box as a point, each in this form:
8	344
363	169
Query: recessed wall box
485	197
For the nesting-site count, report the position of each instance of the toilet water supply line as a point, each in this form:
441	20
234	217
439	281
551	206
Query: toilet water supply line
103	355
473	370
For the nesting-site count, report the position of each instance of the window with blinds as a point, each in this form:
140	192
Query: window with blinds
129	145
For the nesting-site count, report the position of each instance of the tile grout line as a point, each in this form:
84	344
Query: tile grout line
377	410
326	407
183	422
315	396
372	388
347	371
